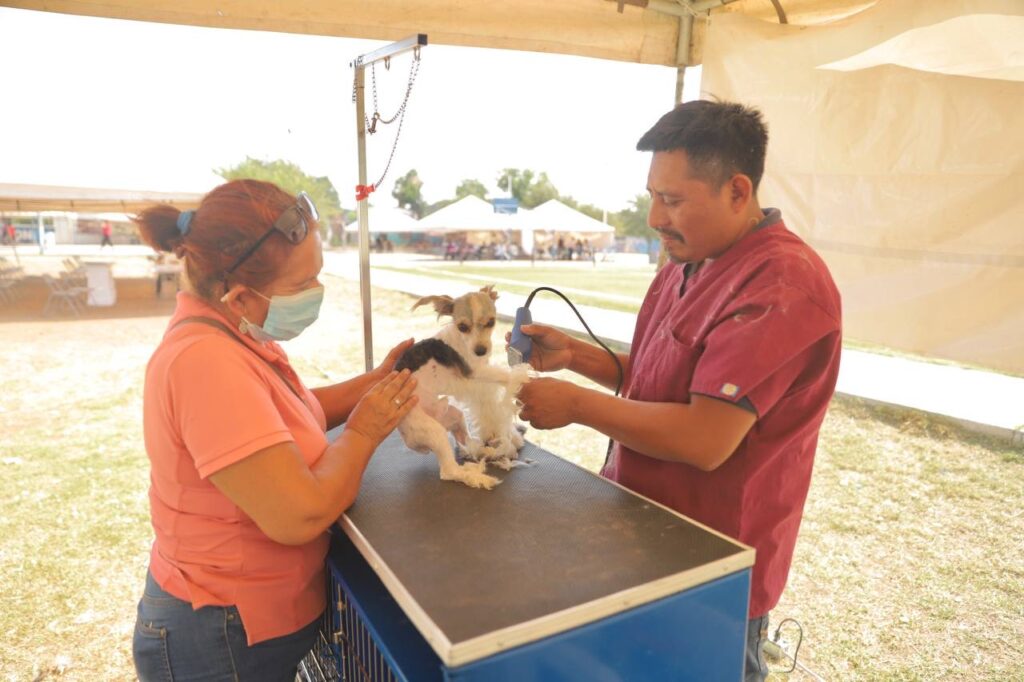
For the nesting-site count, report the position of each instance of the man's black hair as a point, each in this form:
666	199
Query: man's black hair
720	139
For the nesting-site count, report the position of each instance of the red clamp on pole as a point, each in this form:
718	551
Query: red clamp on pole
363	191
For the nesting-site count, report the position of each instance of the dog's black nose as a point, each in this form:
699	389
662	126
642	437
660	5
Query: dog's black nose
480	350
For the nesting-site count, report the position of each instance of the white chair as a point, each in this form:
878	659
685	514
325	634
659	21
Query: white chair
64	296
7	285
78	284
10	276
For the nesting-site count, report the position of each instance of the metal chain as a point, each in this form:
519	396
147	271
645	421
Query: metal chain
371	122
394	147
400	114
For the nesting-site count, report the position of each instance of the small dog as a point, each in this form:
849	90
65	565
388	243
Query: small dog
454	363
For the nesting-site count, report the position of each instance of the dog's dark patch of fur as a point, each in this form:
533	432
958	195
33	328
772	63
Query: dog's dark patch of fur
423	351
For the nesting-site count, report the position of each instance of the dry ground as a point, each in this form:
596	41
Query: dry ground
908	566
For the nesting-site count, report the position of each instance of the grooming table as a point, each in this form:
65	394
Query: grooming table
556	574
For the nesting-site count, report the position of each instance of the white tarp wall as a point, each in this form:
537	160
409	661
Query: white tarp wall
909	182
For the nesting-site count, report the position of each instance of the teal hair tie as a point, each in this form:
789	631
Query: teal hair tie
185	222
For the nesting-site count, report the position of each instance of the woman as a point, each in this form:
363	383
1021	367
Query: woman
243	481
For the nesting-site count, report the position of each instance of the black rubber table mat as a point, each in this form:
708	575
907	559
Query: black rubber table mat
549	537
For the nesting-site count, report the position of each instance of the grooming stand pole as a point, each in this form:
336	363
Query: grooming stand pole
360	65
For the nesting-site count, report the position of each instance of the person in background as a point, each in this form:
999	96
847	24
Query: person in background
108	232
734	357
243	481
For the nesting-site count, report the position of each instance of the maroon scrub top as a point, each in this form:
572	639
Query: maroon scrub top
759	326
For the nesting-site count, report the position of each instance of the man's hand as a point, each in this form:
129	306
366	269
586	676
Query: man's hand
552	350
385	367
548	403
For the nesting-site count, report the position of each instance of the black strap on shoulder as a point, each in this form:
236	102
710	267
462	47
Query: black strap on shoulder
209	321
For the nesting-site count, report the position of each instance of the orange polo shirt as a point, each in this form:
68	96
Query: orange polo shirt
209	402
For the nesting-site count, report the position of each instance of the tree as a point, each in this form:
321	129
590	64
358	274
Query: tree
471	187
530	191
632	222
409	193
290	178
586	209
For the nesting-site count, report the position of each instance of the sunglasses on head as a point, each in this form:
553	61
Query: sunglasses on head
293	223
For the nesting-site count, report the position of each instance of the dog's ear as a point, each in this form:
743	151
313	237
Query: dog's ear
444	305
489	290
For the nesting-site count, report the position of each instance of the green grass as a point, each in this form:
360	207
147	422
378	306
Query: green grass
73	532
905	553
907	567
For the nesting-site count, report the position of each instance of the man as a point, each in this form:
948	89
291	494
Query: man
733	361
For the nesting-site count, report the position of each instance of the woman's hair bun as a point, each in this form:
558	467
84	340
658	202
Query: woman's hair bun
158	226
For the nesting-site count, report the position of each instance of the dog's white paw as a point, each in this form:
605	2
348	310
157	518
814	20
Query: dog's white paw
517	376
471	474
477	451
501	448
507	447
470	449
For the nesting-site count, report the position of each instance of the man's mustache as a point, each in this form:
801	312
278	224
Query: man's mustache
665	234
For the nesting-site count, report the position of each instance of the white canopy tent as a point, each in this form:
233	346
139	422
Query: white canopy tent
642	31
897	151
40	199
393	219
553	218
474	215
468	214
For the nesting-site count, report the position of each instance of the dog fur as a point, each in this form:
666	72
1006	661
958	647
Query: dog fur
455	364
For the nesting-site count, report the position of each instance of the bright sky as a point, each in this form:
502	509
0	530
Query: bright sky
108	103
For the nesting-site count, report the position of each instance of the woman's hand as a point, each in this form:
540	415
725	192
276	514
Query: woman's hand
379	411
388	365
552	349
338	400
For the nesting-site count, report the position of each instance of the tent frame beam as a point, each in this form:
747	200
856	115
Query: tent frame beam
684	8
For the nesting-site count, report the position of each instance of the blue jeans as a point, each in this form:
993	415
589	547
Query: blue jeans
173	643
756	668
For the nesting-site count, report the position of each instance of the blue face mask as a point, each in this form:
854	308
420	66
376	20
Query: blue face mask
288	316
